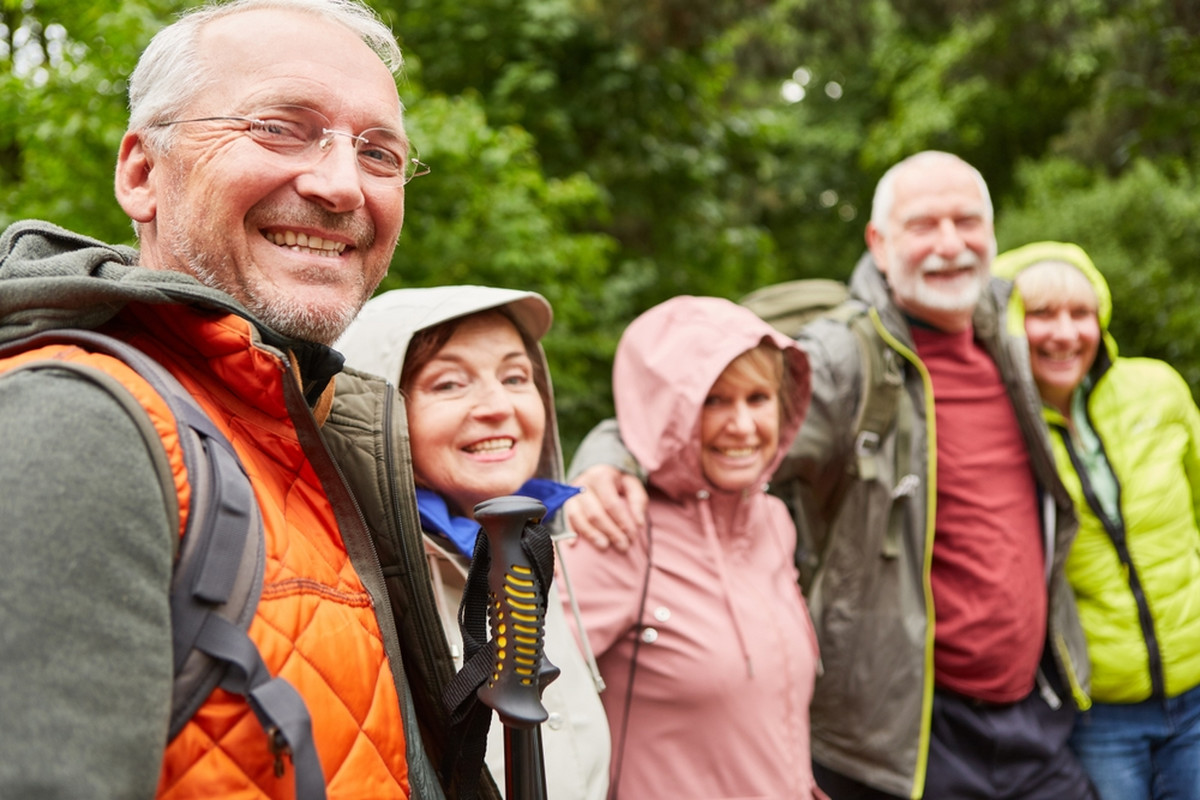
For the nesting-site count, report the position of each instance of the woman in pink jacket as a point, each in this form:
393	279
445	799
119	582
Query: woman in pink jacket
701	632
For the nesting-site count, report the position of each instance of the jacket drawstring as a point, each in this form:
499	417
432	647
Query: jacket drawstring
585	645
439	597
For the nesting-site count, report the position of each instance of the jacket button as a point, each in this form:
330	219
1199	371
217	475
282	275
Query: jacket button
649	635
662	613
554	721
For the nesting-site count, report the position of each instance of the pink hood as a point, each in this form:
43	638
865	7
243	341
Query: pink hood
666	362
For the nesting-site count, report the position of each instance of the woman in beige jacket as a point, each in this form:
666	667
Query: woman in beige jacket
481	418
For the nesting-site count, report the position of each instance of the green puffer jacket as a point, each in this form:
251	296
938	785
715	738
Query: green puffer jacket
1137	580
871	601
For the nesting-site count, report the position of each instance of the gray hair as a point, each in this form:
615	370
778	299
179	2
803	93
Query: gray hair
170	73
885	190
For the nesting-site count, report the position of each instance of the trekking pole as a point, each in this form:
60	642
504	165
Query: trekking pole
522	566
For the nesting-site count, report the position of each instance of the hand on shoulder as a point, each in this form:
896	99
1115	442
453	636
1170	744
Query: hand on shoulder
611	509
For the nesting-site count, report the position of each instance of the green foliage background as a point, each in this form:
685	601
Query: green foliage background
613	153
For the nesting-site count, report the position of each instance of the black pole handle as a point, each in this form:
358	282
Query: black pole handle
517	597
516	613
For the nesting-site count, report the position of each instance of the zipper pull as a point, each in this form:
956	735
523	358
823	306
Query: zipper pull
278	746
1047	691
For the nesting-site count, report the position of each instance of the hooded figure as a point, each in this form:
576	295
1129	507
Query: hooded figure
575	737
700	630
1126	435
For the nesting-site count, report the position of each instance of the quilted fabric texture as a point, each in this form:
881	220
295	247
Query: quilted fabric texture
315	624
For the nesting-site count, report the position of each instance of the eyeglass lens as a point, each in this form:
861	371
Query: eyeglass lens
293	130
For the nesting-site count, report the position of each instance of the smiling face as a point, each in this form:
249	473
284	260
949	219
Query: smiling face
475	415
301	243
936	243
1062	328
739	425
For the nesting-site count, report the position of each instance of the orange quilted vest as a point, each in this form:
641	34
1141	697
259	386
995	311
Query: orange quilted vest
315	623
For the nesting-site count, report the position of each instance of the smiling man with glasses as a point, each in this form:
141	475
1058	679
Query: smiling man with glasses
260	160
265	167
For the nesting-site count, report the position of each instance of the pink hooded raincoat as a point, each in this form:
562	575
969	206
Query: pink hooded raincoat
725	652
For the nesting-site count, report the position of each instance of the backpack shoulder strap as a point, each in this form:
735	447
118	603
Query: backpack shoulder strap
883	383
217	579
884	404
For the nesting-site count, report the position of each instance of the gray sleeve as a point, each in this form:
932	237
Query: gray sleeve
85	640
819	453
603	445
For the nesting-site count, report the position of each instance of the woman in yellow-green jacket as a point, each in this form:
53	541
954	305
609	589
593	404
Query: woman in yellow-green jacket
1126	433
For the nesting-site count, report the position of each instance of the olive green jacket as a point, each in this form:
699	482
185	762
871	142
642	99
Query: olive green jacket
871	600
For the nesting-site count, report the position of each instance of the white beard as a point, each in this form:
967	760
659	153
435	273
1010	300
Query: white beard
958	296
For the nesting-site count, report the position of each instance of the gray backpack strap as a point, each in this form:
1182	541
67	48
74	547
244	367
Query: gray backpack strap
217	578
884	405
883	383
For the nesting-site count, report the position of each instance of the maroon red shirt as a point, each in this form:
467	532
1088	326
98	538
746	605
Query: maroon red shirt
988	579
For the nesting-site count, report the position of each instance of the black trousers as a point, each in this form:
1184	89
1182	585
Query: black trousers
980	751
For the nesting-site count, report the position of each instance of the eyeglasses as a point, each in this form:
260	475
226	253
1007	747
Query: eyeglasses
297	132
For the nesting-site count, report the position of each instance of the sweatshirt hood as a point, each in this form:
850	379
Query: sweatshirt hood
377	340
54	278
667	361
1010	264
